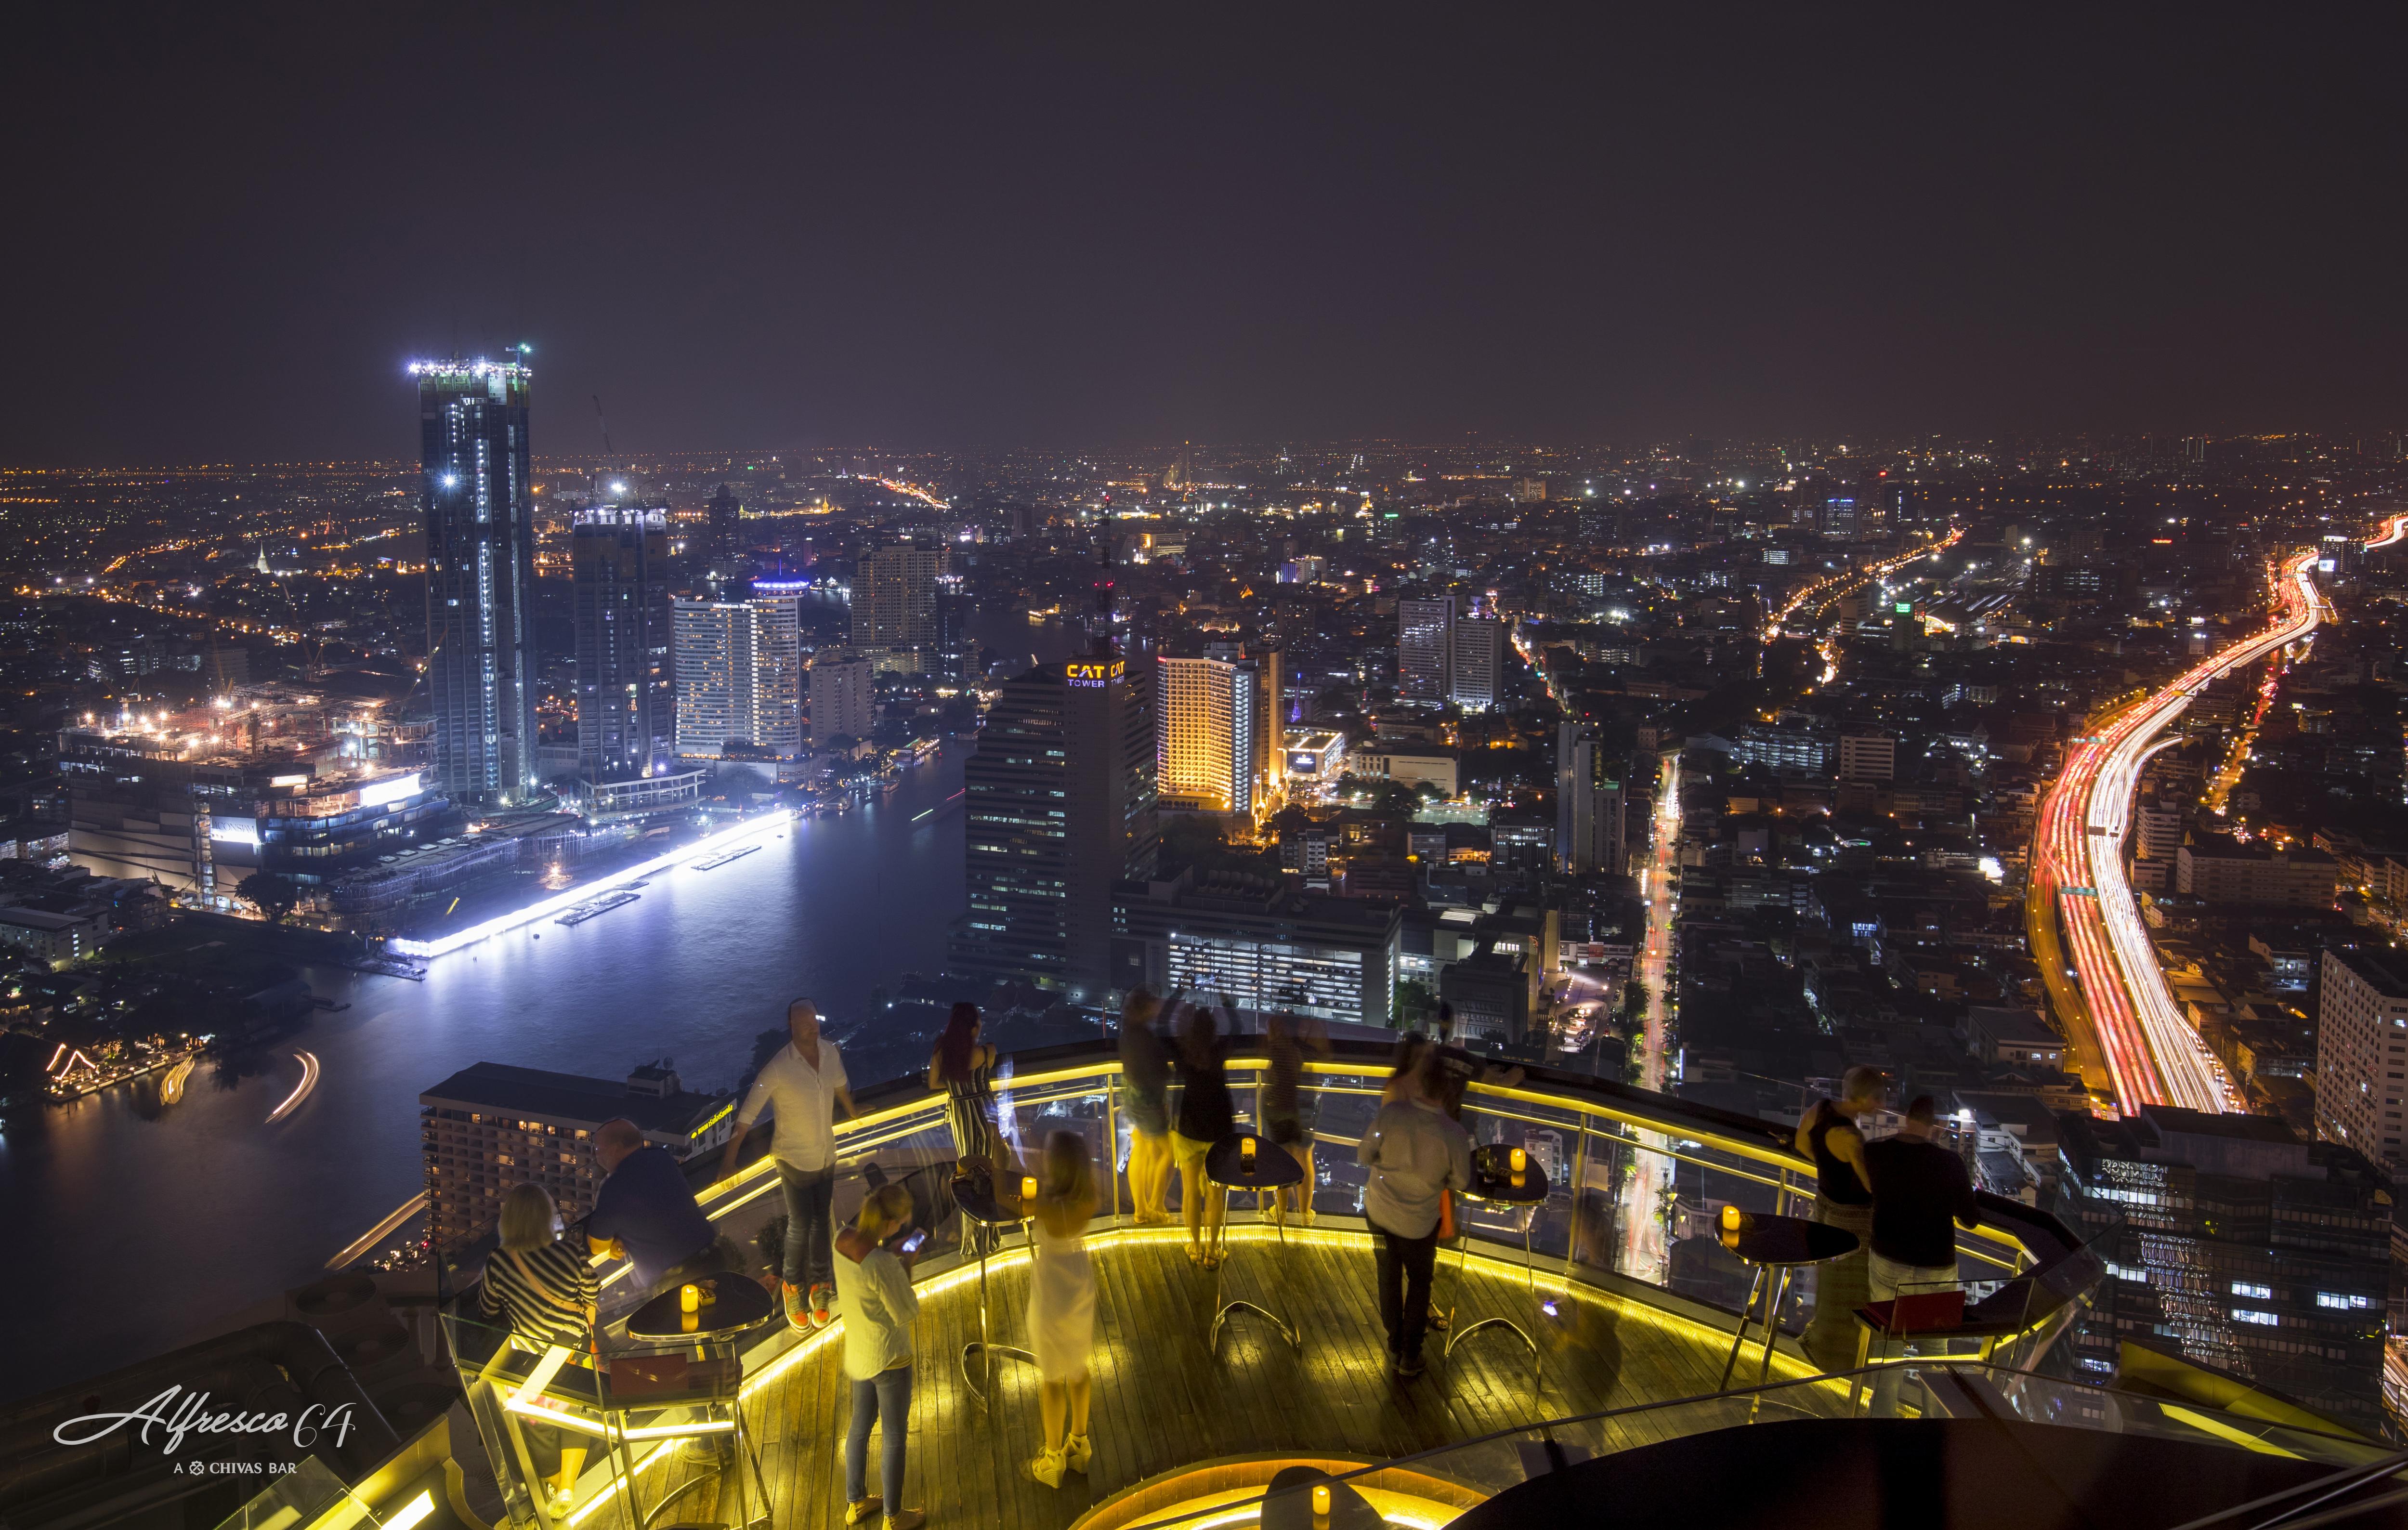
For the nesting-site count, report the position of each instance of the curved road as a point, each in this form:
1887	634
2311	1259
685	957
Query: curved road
2131	1041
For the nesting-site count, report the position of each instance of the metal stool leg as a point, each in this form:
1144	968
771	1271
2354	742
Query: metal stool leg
1738	1339
1222	1308
980	1386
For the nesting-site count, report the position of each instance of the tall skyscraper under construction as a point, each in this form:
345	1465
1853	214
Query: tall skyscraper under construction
477	502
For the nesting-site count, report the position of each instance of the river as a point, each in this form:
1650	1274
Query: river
134	1229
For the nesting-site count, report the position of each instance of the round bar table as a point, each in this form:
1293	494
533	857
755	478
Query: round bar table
980	1205
1494	1182
1272	1168
1775	1247
737	1304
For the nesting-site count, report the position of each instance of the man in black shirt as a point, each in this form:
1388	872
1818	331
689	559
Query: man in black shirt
1921	1193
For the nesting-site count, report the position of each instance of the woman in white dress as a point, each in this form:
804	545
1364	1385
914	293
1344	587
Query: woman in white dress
1062	1305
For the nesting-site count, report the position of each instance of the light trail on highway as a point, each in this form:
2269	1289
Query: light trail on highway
2119	1010
1647	1245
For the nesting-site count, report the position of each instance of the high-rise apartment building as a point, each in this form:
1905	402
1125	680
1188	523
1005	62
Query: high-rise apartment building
739	675
1477	680
1590	833
1210	734
2232	1241
2362	1053
843	697
1059	805
894	599
490	1126
619	561
477	502
1426	649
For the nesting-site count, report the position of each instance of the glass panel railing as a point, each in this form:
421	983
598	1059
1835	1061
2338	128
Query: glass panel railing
1432	1486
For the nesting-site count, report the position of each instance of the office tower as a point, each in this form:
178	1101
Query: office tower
2362	1051
477	501
2228	1240
894	599
843	703
953	643
1477	682
1265	946
724	565
626	721
1059	803
739	676
1868	757
1840	517
1208	732
490	1126
1589	835
1426	649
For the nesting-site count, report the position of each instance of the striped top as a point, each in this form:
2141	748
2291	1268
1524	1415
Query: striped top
544	1291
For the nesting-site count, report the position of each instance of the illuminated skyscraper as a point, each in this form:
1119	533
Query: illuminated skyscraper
626	723
477	501
739	675
1059	805
1426	649
1209	726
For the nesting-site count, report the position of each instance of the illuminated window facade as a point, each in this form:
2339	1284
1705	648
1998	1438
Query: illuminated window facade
477	502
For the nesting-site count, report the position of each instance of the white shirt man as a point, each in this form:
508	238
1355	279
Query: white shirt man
801	1087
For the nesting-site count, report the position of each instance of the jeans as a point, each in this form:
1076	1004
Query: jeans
1404	1308
811	1200
885	1398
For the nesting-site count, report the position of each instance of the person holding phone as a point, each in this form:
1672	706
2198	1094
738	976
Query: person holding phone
1062	1305
873	1281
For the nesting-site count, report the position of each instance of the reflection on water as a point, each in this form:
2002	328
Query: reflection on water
135	1223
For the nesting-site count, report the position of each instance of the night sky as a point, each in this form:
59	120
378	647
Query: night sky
226	235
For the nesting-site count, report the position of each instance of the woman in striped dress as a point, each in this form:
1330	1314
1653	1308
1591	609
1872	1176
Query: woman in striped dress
547	1291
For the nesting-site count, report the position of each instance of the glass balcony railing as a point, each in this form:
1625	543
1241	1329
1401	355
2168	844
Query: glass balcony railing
1432	1486
1635	1180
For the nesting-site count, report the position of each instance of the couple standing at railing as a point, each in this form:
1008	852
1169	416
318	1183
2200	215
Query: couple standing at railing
1903	1197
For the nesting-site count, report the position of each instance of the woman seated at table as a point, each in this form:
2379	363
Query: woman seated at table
547	1291
873	1282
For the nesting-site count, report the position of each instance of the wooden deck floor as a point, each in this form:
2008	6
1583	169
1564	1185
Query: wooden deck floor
1162	1401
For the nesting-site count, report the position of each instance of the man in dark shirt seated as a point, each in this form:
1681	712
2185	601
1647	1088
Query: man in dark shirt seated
645	1214
1921	1194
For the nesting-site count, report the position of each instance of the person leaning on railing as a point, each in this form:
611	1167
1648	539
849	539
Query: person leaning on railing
873	1281
543	1286
1290	1115
1828	1135
1145	1095
1205	1115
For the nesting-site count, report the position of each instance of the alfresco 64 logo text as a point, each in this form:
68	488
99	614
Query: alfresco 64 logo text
177	1415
